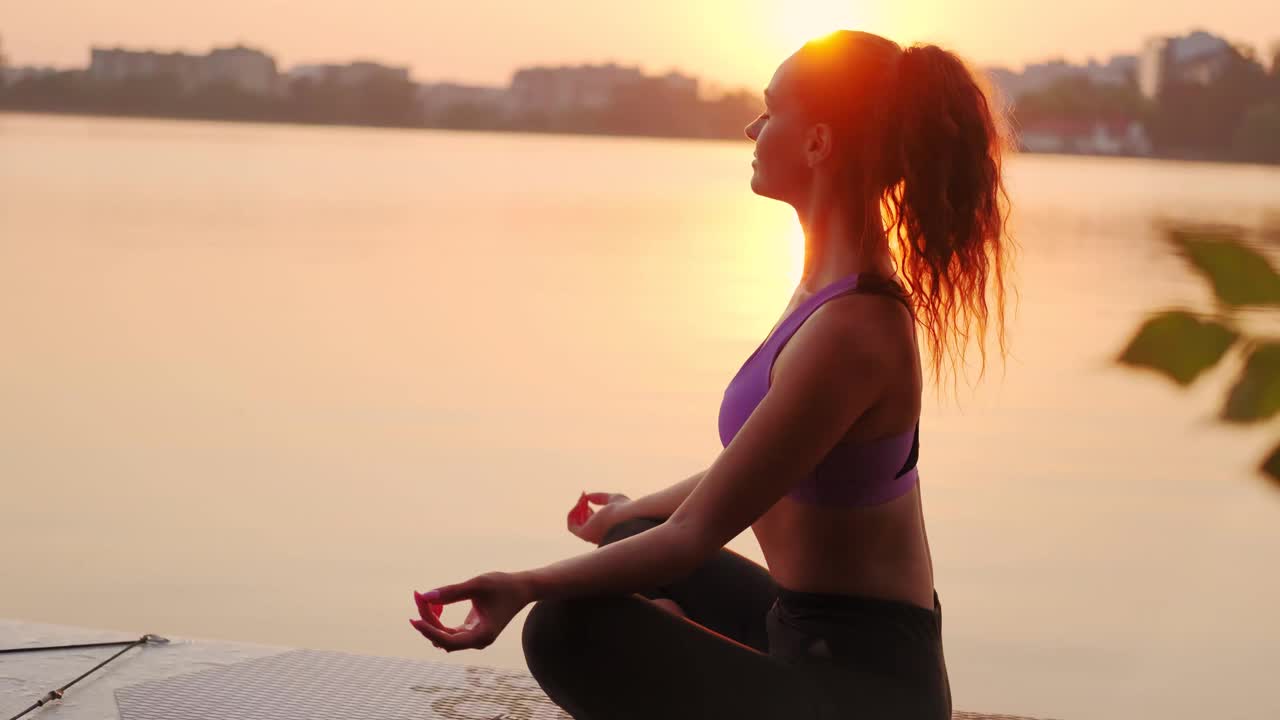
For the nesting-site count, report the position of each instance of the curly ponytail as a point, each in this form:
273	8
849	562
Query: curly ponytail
941	178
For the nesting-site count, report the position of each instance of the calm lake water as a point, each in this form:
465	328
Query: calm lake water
260	382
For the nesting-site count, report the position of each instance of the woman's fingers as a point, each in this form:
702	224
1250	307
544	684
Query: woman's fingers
433	619
575	520
449	642
430	611
438	637
580	512
473	618
435	623
446	594
425	630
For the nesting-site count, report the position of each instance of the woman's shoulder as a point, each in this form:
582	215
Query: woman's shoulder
878	325
871	315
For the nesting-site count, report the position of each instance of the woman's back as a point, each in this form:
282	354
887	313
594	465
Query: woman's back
862	544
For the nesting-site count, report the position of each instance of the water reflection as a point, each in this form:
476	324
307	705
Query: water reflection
261	382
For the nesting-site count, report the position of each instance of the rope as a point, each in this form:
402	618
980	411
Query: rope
57	694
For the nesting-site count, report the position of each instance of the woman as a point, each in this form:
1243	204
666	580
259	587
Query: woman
891	160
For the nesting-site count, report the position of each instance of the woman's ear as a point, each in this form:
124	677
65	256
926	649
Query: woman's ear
818	144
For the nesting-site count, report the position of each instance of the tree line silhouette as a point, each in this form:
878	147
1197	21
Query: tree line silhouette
645	107
1234	118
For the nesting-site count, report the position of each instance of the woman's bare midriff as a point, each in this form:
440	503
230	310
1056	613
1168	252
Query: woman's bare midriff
881	550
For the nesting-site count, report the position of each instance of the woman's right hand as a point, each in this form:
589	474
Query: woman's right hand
591	525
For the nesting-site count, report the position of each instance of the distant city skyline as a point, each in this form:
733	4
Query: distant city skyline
725	44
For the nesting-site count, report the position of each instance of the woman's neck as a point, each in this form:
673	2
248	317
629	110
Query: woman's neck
834	249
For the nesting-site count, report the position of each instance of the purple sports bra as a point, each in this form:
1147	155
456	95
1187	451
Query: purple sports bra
866	473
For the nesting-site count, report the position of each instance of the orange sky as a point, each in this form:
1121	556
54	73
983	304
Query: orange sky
724	42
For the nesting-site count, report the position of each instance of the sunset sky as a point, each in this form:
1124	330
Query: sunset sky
727	43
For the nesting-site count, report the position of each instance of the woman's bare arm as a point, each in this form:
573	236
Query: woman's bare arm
663	502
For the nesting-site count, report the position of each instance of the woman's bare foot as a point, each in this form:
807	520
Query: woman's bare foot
668	605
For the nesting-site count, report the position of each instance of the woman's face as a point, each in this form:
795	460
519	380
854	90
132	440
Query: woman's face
781	166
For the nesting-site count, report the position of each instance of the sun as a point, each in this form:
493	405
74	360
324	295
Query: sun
799	21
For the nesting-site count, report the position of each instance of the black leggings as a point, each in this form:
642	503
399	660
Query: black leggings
748	650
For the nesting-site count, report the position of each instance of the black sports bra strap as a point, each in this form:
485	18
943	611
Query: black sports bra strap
913	456
876	285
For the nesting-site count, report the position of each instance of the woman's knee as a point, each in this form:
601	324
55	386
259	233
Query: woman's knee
561	631
541	636
551	630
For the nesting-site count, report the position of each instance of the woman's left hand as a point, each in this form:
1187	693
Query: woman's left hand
495	598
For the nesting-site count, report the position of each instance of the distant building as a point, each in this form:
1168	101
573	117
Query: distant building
116	64
559	89
437	99
356	73
316	73
683	84
1197	43
11	75
1154	63
1118	70
1117	136
1107	136
245	68
1198	57
360	72
250	70
1203	69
